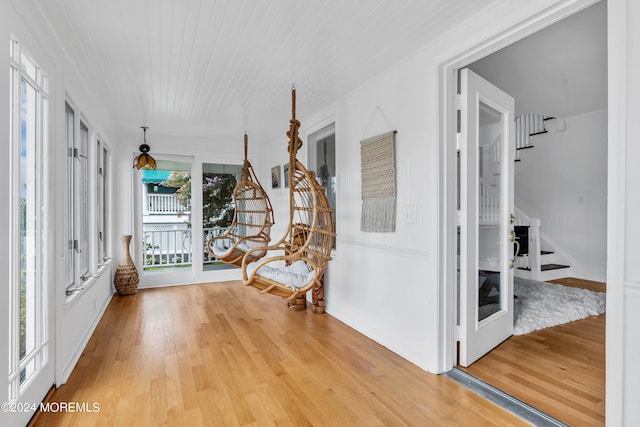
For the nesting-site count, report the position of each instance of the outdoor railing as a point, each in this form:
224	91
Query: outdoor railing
172	248
208	233
163	204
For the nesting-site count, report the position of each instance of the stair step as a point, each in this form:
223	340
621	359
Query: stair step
527	146
546	267
541	253
538	133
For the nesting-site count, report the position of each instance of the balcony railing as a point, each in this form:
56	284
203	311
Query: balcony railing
163	204
172	248
207	234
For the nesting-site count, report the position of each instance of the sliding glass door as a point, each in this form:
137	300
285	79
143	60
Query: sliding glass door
181	205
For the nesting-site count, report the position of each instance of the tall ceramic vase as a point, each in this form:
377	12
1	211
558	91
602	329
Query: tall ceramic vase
126	277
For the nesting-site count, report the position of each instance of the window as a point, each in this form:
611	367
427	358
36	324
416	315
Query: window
101	169
82	202
87	247
28	138
218	183
70	135
166	216
322	160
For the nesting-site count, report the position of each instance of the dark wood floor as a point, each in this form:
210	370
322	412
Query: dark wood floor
559	370
220	354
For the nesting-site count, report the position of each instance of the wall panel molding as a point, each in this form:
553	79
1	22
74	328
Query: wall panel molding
418	253
632	289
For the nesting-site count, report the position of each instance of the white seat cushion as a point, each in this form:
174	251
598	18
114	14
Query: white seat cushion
220	251
295	276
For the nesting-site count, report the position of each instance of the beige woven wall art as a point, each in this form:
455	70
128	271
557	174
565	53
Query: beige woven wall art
378	166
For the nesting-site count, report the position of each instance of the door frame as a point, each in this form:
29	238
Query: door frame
447	105
618	140
196	274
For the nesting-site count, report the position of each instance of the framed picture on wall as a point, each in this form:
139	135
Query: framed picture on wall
285	175
275	177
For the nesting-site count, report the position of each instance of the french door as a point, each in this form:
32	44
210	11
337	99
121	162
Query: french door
486	207
182	204
27	330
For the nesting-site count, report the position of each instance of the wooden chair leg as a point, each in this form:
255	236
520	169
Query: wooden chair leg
299	304
317	297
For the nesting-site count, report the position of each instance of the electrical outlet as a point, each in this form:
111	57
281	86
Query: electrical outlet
410	214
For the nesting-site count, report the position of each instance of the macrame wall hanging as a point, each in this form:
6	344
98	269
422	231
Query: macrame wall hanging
378	166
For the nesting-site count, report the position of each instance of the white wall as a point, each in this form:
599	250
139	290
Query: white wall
75	321
563	182
623	266
386	285
383	283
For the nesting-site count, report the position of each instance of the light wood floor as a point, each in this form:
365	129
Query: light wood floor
220	354
559	370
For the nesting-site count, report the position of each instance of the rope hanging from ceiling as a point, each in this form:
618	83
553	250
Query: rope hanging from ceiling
252	220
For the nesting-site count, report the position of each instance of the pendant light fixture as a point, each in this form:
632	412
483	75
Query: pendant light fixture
144	159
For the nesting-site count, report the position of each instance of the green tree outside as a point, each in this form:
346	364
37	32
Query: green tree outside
217	196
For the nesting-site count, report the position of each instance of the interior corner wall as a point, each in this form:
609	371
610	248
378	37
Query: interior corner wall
382	284
563	182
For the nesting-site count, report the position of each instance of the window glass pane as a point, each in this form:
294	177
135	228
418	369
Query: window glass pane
491	284
166	222
70	133
83	207
28	66
322	160
218	183
100	201
105	231
28	217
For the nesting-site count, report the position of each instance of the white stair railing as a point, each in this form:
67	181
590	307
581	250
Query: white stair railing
526	126
489	214
489	209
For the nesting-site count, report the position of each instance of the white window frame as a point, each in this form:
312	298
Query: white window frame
24	368
324	133
70	134
83	198
102	202
87	202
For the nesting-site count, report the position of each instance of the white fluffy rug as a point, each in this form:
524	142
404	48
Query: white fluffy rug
541	305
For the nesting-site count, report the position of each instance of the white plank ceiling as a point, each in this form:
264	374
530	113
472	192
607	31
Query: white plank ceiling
213	68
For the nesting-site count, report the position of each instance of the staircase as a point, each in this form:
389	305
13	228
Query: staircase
539	257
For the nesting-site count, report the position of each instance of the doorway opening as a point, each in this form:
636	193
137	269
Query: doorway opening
166	217
561	198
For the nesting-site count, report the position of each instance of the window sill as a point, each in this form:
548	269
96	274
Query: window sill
74	293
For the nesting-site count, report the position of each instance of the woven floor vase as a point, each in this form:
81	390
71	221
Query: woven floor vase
126	277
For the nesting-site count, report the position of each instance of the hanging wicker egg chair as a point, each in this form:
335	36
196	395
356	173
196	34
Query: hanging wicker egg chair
252	220
297	262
